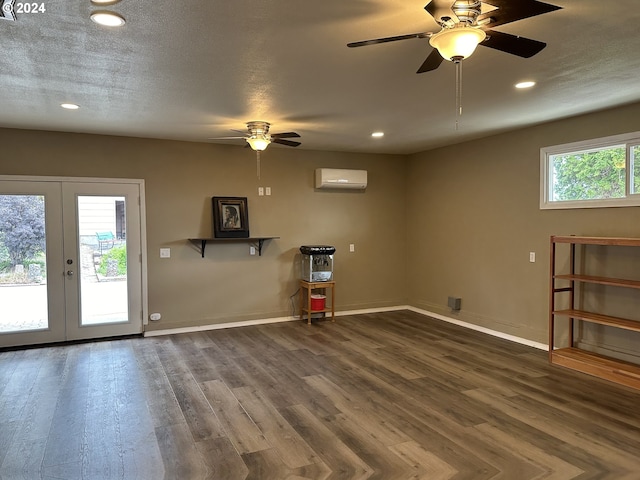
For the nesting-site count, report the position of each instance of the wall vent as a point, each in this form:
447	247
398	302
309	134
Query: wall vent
454	303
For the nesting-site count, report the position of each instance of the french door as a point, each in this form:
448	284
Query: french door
70	259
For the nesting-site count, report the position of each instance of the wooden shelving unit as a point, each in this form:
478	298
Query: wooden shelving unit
614	370
306	289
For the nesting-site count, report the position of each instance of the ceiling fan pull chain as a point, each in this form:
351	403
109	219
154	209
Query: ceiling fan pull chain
458	92
258	162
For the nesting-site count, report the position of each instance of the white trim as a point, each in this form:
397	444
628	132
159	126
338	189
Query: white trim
262	321
471	326
265	321
217	326
372	310
143	220
142	209
40	178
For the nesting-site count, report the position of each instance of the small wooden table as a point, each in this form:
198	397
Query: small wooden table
308	287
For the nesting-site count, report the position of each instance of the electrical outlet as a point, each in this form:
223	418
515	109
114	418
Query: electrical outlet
532	257
267	190
252	250
352	247
154	317
261	191
165	253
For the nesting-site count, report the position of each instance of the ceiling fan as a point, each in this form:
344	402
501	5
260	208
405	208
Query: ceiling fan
465	25
258	138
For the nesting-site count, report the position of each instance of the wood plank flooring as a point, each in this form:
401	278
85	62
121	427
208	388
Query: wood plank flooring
379	396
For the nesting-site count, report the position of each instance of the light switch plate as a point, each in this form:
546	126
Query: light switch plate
165	253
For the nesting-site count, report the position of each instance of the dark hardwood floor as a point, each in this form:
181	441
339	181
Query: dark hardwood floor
385	396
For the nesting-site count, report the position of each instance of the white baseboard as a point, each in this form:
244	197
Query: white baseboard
471	326
217	326
265	321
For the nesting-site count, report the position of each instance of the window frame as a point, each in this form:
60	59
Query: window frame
631	198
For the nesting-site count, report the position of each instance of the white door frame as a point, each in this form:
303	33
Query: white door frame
142	227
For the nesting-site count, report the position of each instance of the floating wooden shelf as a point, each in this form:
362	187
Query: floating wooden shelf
624	373
257	241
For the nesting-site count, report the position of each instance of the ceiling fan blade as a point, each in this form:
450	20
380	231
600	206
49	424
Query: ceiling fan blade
509	11
285	135
432	62
505	42
389	39
288	143
225	138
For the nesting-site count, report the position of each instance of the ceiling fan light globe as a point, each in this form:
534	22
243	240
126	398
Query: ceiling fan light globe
458	42
258	143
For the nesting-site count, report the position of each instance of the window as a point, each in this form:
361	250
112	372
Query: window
635	160
604	172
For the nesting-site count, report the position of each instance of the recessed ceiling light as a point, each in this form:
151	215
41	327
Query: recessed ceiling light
527	84
104	2
377	134
108	19
70	106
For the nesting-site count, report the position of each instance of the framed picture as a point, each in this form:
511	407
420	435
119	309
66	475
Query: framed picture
230	217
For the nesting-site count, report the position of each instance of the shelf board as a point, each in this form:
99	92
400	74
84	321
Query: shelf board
616	282
318	284
601	319
258	241
617	371
619	241
324	310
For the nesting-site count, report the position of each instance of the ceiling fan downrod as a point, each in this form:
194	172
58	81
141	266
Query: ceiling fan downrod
258	163
458	63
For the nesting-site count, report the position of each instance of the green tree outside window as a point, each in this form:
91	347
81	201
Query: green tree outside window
591	175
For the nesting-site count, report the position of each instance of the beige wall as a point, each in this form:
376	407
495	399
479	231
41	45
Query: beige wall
228	284
473	216
456	221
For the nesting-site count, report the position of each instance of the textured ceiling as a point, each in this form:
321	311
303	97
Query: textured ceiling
196	69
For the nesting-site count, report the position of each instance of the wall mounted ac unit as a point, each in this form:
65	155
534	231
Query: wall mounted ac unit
341	178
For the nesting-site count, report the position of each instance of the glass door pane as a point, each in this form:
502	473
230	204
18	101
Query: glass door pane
31	281
103	255
103	259
23	264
